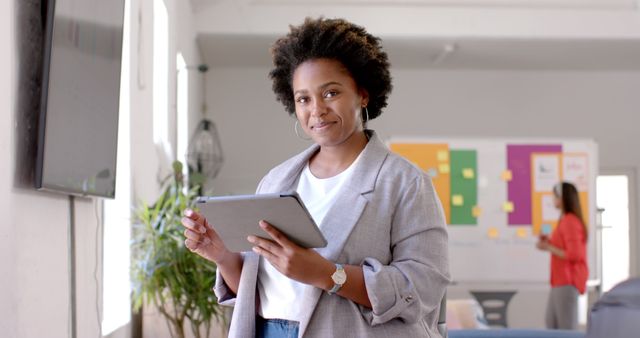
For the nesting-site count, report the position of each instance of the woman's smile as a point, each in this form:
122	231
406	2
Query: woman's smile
322	126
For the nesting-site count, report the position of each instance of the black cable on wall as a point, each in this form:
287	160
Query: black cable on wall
73	306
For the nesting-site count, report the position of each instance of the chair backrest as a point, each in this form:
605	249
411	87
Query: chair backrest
442	317
494	305
616	313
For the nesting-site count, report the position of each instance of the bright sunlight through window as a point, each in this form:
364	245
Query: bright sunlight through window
161	78
182	117
116	304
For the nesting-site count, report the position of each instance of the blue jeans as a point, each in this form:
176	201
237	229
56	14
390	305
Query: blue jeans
276	328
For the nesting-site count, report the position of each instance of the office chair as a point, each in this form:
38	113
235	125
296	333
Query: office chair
494	305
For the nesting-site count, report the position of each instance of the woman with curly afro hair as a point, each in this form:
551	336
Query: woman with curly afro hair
385	268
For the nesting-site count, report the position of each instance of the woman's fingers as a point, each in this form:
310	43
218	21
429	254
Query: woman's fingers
287	257
194	236
262	243
191	225
191	244
277	236
195	232
192	214
194	244
201	238
268	249
192	220
268	255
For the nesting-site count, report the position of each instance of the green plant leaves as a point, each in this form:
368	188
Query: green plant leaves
164	272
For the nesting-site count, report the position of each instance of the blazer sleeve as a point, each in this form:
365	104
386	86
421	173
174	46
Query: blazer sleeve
412	285
221	290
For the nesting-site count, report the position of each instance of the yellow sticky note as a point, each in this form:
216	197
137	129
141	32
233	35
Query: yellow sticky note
507	206
493	233
468	173
521	232
507	175
444	168
457	200
476	211
443	156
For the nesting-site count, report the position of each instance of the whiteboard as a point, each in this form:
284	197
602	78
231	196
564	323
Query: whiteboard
492	250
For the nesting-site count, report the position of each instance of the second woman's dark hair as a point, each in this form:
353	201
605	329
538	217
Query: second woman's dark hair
571	202
337	39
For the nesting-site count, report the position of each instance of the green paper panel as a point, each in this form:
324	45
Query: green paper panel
465	187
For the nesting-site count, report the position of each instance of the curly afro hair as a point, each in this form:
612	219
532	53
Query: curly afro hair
360	52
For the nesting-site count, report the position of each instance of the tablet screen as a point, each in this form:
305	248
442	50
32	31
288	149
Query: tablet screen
235	218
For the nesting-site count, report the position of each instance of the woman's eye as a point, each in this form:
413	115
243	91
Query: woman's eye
302	99
331	93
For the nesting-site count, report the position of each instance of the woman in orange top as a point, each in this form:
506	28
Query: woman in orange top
567	245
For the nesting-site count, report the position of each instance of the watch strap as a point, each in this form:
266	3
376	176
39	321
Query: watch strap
336	287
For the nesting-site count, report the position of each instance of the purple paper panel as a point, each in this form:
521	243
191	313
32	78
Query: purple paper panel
519	188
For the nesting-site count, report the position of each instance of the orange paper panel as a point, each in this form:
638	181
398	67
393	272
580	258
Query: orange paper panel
425	156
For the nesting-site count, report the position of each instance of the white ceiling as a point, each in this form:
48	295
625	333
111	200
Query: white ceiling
198	5
223	50
598	35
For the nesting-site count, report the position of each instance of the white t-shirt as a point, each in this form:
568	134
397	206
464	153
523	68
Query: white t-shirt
277	292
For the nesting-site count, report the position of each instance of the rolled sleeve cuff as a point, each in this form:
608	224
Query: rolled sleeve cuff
387	300
222	292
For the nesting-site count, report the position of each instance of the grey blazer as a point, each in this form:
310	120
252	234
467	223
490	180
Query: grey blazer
387	219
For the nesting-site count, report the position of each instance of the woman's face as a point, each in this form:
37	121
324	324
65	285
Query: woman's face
557	202
327	100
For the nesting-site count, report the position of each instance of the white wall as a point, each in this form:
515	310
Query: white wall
34	289
256	133
144	159
8	298
184	35
598	105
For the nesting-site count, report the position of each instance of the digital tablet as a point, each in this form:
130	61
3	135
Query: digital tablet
236	217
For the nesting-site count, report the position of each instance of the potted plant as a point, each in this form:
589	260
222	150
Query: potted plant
164	272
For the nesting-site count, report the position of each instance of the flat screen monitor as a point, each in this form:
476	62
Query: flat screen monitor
78	122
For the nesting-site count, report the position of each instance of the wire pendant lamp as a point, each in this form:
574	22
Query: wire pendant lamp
204	154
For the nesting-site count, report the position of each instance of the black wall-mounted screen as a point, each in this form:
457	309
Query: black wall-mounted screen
78	123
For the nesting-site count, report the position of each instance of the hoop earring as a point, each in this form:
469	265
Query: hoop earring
295	128
366	111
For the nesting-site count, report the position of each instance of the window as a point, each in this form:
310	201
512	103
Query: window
182	118
613	197
116	290
161	81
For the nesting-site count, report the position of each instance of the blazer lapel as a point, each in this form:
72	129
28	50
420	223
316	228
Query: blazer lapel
340	220
352	200
286	176
344	214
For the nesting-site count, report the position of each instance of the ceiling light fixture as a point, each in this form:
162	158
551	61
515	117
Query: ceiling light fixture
447	50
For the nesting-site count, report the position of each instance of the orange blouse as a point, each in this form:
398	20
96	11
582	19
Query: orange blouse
571	238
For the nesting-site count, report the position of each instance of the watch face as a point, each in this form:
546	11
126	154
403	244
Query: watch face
339	277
